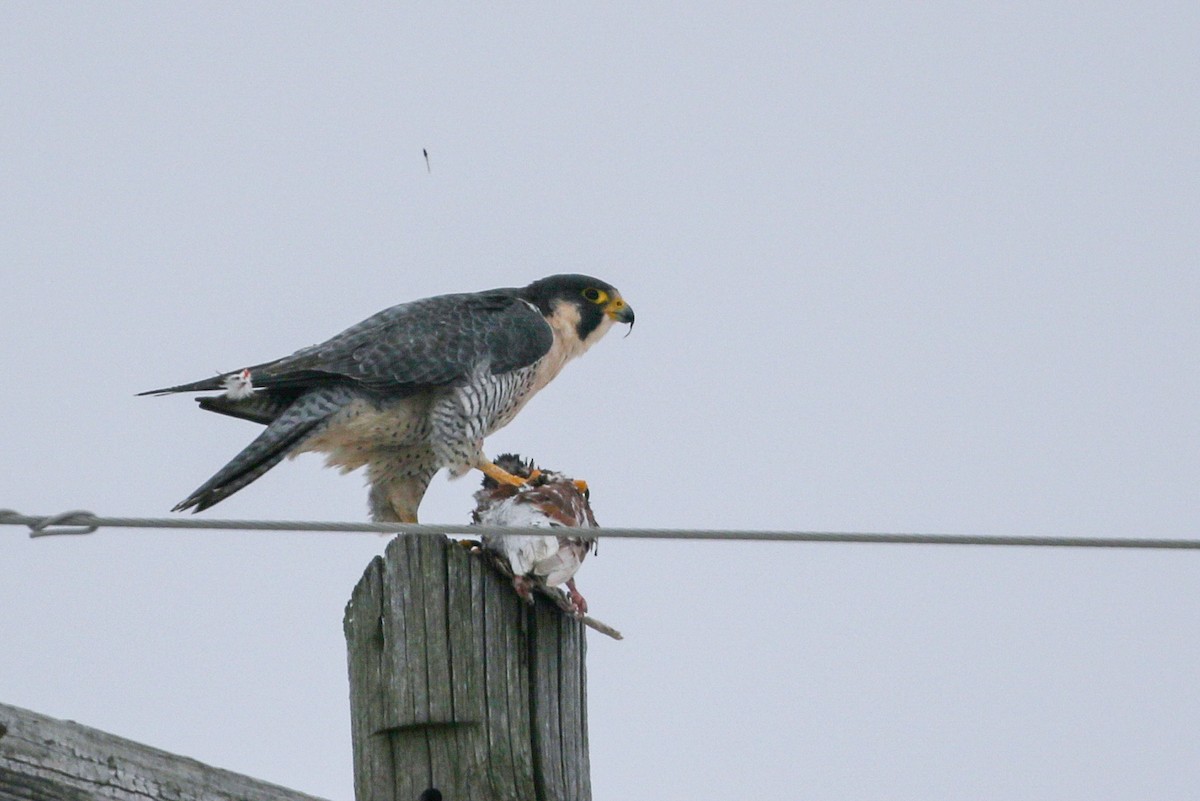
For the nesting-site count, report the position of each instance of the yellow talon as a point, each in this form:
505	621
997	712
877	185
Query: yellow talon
500	475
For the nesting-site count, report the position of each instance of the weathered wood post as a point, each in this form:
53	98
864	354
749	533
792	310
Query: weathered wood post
43	759
458	685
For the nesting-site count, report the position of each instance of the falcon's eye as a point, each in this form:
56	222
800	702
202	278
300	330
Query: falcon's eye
595	295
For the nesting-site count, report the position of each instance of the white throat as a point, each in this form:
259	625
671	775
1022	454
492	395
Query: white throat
564	321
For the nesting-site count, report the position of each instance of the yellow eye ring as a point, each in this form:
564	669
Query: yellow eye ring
595	295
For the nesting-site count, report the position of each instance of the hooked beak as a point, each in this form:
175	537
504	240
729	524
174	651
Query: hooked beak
620	311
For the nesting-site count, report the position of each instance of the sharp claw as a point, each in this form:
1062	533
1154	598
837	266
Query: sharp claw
500	475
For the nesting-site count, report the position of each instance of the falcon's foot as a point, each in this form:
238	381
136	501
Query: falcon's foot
500	475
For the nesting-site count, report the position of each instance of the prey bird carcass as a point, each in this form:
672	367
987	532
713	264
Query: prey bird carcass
546	499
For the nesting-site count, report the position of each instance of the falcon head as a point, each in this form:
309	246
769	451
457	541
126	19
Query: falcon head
579	307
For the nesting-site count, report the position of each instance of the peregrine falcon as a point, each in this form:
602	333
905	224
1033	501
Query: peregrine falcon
410	390
548	499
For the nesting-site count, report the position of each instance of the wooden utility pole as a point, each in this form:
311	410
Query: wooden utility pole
44	759
458	685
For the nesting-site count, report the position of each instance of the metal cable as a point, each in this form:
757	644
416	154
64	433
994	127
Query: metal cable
83	522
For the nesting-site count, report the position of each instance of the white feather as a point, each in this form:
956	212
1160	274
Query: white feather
238	386
525	554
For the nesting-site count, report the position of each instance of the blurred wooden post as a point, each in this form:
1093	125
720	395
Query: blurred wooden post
458	685
44	759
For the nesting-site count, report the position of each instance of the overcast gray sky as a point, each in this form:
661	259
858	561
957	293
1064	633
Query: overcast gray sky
896	268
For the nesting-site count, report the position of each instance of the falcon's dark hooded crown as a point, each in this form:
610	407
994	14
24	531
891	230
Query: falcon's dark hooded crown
595	300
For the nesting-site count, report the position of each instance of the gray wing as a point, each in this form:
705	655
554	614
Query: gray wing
433	342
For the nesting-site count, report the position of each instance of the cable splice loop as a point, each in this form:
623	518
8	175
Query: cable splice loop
63	523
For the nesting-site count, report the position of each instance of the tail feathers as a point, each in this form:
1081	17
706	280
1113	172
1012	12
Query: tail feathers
268	449
261	407
255	459
203	385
